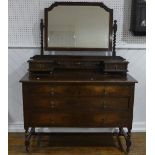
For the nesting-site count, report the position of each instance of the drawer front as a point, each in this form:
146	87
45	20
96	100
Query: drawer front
81	119
81	90
115	66
40	66
79	104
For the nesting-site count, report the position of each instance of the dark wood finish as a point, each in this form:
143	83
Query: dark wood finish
75	118
79	77
45	102
138	17
28	135
76	144
65	98
114	38
78	4
41	37
104	64
78	91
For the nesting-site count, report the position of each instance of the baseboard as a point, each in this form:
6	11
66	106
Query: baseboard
139	127
19	127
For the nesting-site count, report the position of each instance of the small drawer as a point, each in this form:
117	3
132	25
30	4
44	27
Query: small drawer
115	66
40	66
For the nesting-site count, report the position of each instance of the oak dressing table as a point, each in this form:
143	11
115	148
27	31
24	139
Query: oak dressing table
78	91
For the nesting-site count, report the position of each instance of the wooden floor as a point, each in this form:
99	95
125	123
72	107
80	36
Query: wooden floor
76	144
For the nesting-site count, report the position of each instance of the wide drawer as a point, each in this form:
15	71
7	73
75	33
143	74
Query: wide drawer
82	119
79	104
80	90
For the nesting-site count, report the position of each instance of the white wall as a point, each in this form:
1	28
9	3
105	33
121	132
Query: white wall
24	17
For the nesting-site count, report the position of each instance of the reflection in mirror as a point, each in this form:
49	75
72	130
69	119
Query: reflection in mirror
78	27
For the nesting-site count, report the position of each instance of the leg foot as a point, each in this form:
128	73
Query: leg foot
128	140
27	146
27	143
28	135
127	136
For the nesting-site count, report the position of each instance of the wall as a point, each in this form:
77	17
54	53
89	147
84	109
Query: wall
24	18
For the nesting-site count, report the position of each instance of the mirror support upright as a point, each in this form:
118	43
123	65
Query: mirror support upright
114	37
41	41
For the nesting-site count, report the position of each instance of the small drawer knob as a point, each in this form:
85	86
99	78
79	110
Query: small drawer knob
105	92
115	67
78	63
52	104
104	104
52	92
52	89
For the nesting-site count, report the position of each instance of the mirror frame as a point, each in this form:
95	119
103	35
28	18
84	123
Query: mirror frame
99	4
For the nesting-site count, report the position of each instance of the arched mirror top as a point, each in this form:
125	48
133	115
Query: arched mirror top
78	26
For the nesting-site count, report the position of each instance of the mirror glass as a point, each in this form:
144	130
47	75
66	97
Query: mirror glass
78	27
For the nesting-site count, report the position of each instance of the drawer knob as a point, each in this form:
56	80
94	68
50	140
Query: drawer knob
52	104
105	93
115	67
52	92
78	63
104	104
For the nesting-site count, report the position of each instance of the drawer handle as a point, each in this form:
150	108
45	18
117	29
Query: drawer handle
52	104
115	67
52	92
78	63
104	105
105	93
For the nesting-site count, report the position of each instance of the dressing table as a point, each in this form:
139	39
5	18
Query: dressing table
78	91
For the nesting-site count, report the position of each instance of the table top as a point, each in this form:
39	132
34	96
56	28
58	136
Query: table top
78	77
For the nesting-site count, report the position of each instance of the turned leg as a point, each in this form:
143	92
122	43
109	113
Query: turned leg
28	135
33	131
127	136
120	131
128	141
27	142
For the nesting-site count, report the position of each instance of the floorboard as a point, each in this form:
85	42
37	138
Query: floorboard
76	144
